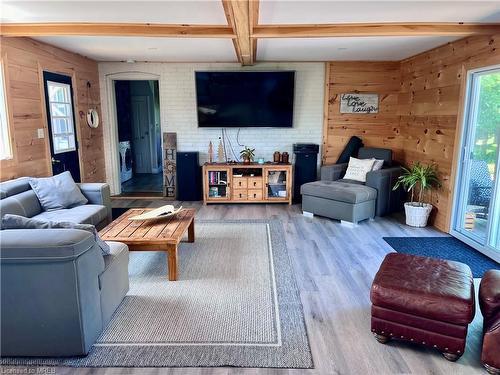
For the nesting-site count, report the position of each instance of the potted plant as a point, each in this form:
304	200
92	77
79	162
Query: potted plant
247	154
417	180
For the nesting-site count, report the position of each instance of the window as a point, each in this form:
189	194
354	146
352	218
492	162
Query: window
5	146
477	198
61	114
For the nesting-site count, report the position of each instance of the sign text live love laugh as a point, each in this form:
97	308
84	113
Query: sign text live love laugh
358	103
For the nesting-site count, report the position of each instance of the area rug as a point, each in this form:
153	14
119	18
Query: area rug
236	303
445	248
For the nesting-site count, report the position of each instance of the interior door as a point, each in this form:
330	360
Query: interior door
141	125
61	124
477	203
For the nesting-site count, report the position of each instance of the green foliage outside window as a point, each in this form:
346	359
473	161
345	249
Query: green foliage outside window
488	120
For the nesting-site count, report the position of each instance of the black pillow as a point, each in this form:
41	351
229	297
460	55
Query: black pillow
351	149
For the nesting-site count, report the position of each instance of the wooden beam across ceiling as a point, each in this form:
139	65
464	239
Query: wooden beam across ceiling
239	18
115	29
254	22
374	29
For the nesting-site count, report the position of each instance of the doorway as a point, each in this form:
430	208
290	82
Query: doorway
61	124
139	137
477	199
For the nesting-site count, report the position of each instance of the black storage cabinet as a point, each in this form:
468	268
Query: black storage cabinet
189	179
306	166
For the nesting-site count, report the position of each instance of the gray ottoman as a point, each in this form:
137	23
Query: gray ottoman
340	200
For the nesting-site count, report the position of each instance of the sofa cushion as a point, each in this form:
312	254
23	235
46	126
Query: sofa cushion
13	187
427	287
87	214
339	191
57	192
25	204
21	222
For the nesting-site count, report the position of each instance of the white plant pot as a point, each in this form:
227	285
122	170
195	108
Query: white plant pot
417	216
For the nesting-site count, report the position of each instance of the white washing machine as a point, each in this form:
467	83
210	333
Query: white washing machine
125	161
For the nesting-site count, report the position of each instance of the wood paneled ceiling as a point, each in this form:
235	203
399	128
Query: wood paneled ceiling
289	29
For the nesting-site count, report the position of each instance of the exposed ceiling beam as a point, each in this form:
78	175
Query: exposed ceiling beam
238	17
115	29
374	29
254	21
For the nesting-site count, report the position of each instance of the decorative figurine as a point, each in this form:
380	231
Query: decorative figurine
220	153
210	152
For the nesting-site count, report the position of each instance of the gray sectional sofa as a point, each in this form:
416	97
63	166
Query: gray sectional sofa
17	197
354	201
58	291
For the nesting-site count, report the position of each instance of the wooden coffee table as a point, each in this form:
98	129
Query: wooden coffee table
157	235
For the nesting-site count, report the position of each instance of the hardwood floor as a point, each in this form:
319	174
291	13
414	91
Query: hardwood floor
334	266
143	183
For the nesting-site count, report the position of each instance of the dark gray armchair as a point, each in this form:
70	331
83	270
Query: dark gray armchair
383	180
353	201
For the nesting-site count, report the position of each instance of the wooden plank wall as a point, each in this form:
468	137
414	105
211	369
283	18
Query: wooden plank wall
24	61
420	108
378	129
430	106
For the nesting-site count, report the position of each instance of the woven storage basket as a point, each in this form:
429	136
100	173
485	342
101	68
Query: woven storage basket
417	216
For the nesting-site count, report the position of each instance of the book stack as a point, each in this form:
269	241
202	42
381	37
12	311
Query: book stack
214	178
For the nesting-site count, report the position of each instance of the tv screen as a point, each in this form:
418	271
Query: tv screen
245	99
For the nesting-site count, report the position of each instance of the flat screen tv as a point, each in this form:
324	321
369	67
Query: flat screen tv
245	99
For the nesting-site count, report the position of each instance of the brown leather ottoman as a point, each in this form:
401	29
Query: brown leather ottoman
489	301
423	300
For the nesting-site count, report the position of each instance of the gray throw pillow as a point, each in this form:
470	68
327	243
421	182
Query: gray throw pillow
377	164
20	222
57	192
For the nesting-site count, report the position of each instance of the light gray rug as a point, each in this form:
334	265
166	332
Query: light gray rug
236	303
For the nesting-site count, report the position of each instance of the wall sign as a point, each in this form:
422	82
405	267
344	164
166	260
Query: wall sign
358	103
169	165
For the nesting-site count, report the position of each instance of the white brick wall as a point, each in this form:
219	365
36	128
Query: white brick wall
178	106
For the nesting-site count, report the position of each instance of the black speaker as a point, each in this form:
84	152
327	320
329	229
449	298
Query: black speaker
306	160
189	186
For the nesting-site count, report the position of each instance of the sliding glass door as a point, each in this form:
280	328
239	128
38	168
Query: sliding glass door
477	198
